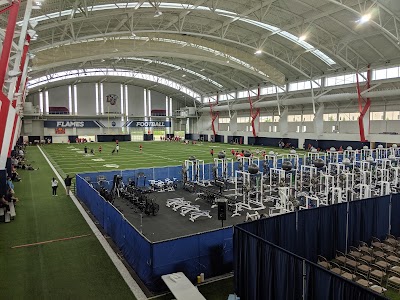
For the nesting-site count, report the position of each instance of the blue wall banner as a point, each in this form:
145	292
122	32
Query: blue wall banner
148	124
72	124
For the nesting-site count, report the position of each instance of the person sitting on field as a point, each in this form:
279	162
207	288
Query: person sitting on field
92	151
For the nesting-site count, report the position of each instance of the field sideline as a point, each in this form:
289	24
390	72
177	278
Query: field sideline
70	158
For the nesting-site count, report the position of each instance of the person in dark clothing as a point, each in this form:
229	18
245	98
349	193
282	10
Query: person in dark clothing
68	182
85	149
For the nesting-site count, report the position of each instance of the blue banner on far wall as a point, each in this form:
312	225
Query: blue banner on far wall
148	124
72	124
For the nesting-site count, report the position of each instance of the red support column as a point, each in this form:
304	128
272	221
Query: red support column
256	114
361	101
17	89
214	116
4	59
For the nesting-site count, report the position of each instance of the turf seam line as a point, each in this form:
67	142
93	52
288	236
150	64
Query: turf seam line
132	284
51	241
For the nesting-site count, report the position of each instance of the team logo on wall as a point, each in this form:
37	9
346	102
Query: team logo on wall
112	99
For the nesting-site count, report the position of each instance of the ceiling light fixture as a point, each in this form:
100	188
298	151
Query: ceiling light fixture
259	51
157	13
302	38
364	19
184	75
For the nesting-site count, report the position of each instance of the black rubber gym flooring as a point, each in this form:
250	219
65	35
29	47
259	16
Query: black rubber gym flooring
169	224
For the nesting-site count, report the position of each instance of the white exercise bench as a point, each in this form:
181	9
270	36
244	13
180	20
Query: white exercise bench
171	202
181	287
197	214
189	208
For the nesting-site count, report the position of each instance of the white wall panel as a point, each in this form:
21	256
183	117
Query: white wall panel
135	101
86	99
58	96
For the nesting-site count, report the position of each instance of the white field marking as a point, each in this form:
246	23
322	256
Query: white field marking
98	159
88	155
133	286
111	166
80	152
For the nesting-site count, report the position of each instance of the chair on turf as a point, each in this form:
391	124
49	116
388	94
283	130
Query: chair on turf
378	253
340	258
393	281
376	243
363	268
377	274
362	280
392	241
335	268
383	263
348	274
322	261
392	258
355	252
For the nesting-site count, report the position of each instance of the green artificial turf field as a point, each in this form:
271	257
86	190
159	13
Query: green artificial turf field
70	269
70	159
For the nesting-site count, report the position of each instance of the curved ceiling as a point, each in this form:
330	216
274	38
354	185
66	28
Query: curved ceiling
210	45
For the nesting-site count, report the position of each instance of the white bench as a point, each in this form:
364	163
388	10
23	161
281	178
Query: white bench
181	287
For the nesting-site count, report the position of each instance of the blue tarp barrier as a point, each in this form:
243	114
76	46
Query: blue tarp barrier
209	252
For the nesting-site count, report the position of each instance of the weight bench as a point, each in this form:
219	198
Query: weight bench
181	287
177	206
197	214
171	202
186	209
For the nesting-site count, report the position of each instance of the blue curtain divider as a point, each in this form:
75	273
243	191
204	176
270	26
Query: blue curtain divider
210	252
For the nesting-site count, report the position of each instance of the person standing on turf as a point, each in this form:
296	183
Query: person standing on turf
85	149
212	152
117	148
100	148
140	147
54	186
68	182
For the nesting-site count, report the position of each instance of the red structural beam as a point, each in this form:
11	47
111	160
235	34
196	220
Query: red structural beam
4	59
253	114
361	101
214	116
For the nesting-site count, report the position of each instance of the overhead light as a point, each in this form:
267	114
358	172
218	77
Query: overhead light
202	70
259	51
133	34
157	13
364	19
227	61
184	75
33	23
103	60
302	38
31	32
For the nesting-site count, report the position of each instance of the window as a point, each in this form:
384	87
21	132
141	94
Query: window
387	73
392	115
378	115
266	119
304	128
308	118
224	120
276	119
330	117
344	79
304	85
294	118
274	129
298	128
243	119
348	116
